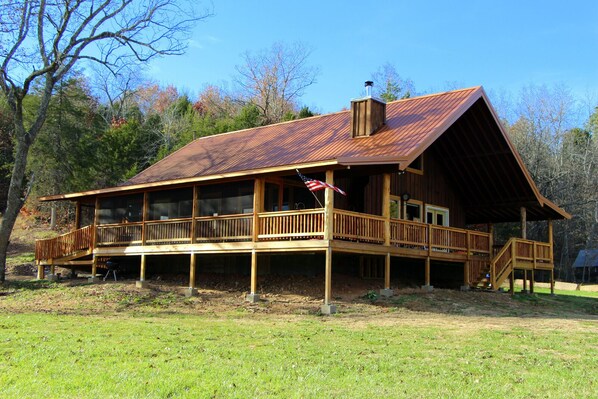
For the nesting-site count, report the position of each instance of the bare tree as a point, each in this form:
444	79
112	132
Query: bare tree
273	79
390	86
117	89
41	41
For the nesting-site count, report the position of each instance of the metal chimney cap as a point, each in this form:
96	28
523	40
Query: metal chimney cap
369	83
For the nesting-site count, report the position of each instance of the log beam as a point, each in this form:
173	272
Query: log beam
386	207
94	270
142	283
328	308
523	212
427	286
192	290
253	296
387	291
329	207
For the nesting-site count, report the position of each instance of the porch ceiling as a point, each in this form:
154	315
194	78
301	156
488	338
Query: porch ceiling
489	176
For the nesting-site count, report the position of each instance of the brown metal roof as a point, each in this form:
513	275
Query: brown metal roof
324	138
460	125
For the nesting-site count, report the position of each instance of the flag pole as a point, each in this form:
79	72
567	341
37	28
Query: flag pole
312	193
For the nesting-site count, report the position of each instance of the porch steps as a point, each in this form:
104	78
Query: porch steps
482	280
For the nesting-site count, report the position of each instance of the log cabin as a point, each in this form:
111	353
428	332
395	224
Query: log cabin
426	180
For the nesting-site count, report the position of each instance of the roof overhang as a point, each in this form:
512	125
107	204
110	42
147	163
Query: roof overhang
182	182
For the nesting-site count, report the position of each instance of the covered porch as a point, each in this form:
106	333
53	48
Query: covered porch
188	220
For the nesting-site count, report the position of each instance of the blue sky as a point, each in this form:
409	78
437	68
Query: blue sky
502	45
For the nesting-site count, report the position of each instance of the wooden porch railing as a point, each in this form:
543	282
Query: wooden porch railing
64	245
119	235
174	231
291	225
408	234
224	228
404	233
522	253
309	224
361	227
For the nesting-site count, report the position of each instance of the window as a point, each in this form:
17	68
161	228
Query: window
395	207
171	204
413	210
288	194
437	215
226	199
124	209
271	197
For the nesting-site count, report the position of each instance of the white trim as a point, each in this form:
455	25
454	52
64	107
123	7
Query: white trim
438	209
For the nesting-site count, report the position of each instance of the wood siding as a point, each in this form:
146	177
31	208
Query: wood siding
433	187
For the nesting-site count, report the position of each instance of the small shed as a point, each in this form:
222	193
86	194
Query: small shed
586	265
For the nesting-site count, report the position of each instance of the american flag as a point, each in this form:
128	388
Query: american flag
315	185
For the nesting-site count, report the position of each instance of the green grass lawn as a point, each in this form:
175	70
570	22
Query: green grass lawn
160	353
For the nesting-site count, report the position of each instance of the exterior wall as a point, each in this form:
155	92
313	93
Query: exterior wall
433	187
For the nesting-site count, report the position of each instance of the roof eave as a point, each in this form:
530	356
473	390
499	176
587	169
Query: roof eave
190	180
366	161
556	208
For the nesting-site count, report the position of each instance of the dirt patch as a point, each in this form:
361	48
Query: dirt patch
24	269
287	297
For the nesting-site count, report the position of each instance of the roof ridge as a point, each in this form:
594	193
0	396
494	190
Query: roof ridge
472	88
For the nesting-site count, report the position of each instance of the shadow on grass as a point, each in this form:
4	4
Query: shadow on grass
32	285
493	304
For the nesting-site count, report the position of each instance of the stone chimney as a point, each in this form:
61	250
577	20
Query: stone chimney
368	114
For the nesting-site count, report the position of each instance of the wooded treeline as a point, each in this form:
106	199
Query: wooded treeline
95	138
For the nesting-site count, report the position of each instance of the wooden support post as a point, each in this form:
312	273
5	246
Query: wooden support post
551	241
192	266
145	214
427	285
328	307
192	290
467	264
194	215
96	222
142	268
253	271
491	240
523	223
329	207
466	268
40	271
77	215
386	207
142	283
429	240
52	268
387	271
525	281
387	291
534	261
512	283
258	205
94	270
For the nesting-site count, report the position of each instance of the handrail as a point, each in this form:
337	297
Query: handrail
63	245
237	227
505	252
361	227
291	225
514	251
